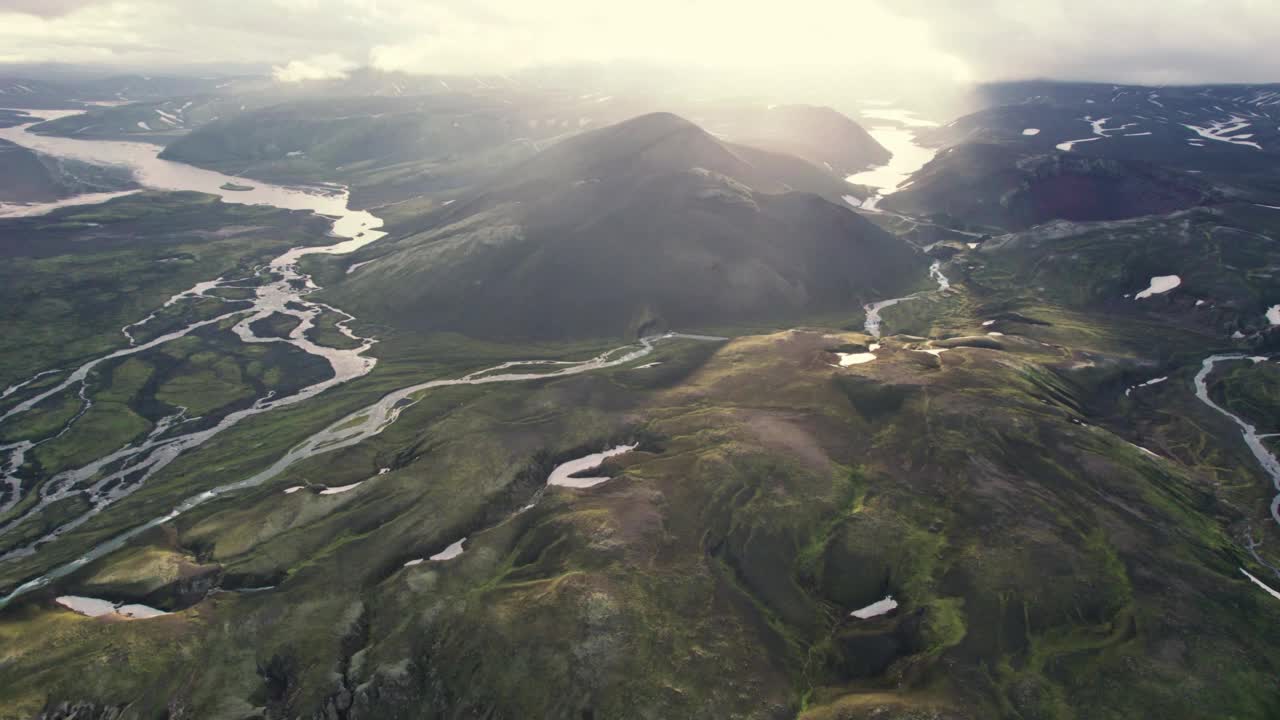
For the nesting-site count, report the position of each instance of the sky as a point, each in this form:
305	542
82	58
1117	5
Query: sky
1150	41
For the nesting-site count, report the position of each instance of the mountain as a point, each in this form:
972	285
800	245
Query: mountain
1224	130
820	135
160	122
997	186
390	147
28	177
645	225
28	93
1103	267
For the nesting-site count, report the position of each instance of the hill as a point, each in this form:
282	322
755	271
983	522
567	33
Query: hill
644	225
820	135
997	186
28	177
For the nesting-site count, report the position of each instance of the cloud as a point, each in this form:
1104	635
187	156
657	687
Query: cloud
43	8
1144	41
329	66
842	43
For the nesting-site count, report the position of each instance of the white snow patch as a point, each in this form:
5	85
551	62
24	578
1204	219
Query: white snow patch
1031	131
450	552
880	607
341	489
93	607
1148	383
563	475
847	359
1159	284
1225	131
1069	145
1261	584
294	489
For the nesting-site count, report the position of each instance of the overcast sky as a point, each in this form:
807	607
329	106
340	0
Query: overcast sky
1156	41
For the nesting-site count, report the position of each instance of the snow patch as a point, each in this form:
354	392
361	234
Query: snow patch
1225	131
1159	284
449	553
563	474
847	359
1261	584
93	607
880	607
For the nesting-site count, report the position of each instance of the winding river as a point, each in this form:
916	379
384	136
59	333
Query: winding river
116	475
359	426
1270	464
119	473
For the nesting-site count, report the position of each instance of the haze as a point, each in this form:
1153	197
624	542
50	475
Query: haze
869	44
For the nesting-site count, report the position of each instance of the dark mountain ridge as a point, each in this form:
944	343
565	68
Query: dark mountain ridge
981	184
649	224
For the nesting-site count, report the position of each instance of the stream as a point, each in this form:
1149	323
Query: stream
1270	464
873	323
362	425
1266	459
119	473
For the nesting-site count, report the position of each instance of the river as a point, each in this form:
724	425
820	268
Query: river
873	323
287	294
908	155
1266	459
362	425
119	473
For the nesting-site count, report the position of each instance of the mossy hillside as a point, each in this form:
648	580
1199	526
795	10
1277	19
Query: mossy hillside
1223	256
1250	390
255	443
778	494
